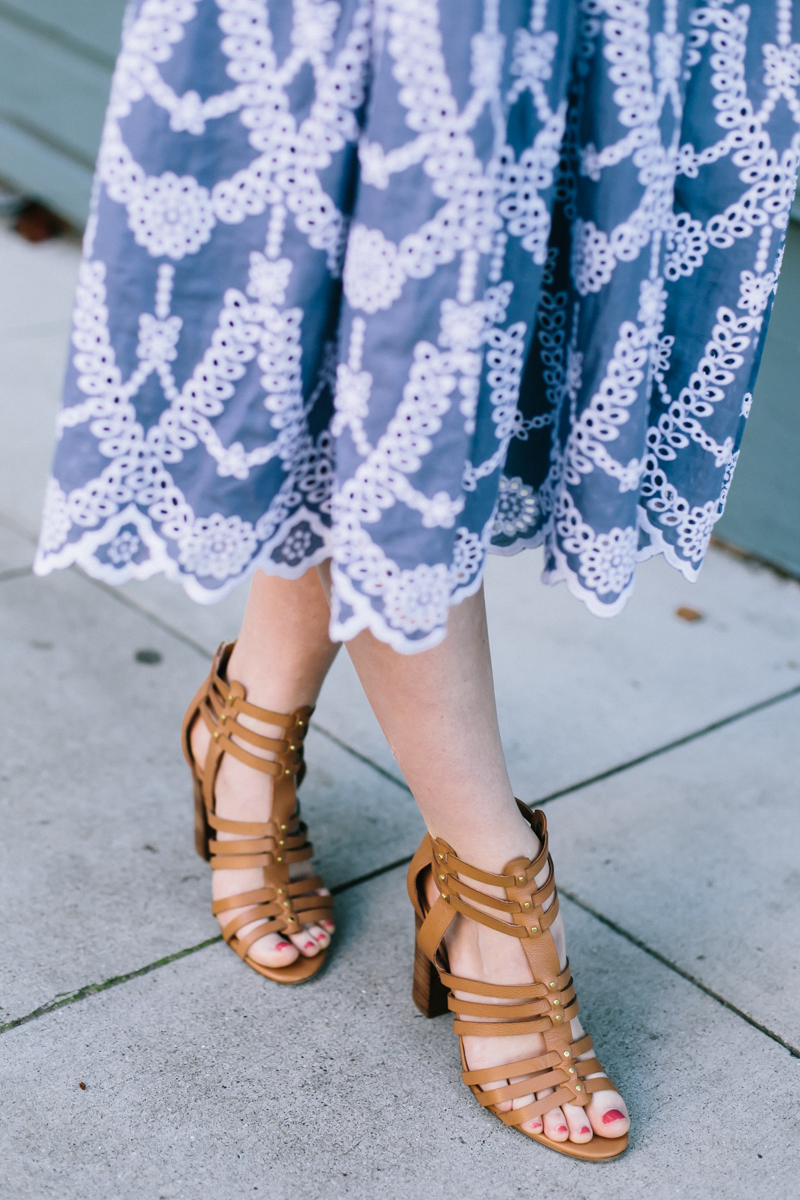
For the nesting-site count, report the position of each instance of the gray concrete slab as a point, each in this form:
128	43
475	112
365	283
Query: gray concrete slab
203	1081
576	694
38	284
16	552
697	853
35	309
98	863
31	369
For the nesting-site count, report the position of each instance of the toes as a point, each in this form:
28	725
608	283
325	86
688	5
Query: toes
305	943
534	1125
319	936
273	951
555	1125
326	924
608	1115
578	1123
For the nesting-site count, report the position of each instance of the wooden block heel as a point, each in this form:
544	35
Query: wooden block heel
427	991
202	833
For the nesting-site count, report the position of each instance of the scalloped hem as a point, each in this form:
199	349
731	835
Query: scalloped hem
83	554
363	614
563	573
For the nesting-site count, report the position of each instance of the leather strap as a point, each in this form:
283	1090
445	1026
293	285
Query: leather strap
280	906
526	911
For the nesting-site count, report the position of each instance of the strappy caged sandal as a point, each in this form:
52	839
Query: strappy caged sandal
280	905
545	1006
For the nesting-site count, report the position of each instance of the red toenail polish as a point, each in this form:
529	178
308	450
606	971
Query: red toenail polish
282	946
586	1129
613	1114
561	1129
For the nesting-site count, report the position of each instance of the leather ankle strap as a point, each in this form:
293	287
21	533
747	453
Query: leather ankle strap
220	707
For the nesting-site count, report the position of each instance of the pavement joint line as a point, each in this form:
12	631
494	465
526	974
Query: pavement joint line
337	741
759	706
675	744
93	989
15	573
673	966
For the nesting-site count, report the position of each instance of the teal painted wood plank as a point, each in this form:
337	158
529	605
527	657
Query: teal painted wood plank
44	87
762	515
88	26
38	169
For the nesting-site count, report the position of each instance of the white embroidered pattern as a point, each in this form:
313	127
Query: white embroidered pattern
487	241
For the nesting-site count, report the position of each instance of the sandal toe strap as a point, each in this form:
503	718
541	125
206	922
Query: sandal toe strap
523	1087
537	1108
526	1066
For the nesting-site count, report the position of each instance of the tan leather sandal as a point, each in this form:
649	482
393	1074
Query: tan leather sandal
545	1006
281	906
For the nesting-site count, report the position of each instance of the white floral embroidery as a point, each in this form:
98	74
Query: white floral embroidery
516	507
373	274
608	562
123	547
171	216
217	546
457	194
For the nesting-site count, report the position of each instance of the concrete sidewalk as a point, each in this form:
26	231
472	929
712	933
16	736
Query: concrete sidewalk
667	753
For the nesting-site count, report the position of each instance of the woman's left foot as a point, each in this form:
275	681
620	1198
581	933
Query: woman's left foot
485	955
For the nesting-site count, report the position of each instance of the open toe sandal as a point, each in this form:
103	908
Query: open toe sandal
280	905
545	1006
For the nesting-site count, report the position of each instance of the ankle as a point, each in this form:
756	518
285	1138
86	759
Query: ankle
281	686
493	846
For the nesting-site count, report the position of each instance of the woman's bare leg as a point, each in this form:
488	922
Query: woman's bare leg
282	656
437	710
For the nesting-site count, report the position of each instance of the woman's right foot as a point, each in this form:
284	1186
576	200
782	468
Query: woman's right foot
245	794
